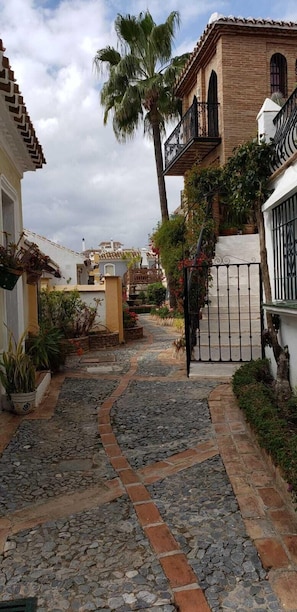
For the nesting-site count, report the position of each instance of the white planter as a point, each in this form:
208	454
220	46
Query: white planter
22	403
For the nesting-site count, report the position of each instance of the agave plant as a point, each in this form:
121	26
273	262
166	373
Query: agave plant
46	348
17	371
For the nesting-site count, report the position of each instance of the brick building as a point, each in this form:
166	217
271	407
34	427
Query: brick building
236	64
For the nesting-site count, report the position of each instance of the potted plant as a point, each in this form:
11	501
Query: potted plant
46	348
35	262
18	377
11	263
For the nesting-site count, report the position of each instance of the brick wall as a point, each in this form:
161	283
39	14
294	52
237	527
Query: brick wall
242	63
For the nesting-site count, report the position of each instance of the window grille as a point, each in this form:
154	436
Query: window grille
284	234
278	74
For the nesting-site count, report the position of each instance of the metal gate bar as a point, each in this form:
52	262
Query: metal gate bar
223	312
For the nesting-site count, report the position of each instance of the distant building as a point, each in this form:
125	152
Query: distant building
136	267
73	267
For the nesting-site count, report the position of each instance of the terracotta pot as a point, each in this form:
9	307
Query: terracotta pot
249	228
229	231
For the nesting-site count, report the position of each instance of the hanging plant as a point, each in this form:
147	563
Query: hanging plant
11	262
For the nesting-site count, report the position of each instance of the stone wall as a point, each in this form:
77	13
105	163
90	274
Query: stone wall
133	333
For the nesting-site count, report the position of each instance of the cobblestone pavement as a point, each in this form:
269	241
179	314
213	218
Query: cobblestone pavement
118	495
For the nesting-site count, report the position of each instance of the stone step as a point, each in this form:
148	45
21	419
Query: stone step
236	338
250	283
226	353
224	324
233	301
233	314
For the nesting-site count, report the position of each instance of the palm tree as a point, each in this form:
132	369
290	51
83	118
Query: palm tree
141	82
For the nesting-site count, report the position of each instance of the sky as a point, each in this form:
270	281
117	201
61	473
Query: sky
92	187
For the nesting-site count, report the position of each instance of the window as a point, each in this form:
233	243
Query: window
278	74
212	102
109	270
284	235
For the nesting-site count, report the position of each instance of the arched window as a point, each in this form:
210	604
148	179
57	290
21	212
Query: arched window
109	270
278	74
212	101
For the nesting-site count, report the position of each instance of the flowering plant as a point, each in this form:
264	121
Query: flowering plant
130	318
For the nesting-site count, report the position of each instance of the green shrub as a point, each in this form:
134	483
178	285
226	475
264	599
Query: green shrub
291	409
143	309
142	297
251	372
156	293
252	384
66	311
46	349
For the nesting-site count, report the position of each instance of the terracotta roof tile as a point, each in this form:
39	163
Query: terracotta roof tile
21	130
223	23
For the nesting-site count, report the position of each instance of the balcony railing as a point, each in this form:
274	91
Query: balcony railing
143	276
285	138
199	126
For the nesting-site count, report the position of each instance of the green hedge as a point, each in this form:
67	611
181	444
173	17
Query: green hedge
253	387
141	309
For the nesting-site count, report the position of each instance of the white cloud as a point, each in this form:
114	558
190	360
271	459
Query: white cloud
91	186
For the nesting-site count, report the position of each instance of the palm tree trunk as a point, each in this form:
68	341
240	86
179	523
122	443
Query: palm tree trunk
163	200
159	167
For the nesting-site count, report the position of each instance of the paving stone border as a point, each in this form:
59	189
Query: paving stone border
162	500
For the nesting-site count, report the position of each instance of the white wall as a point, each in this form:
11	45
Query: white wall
283	187
66	259
237	249
88	293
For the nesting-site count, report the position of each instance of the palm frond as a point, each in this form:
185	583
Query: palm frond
141	81
162	36
106	58
127	29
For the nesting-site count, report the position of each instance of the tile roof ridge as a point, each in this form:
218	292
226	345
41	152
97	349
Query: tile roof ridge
14	103
56	244
229	20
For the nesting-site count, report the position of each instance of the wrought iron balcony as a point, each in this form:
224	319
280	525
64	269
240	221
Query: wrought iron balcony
193	138
285	138
142	276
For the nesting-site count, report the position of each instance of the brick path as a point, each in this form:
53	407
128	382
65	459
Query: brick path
265	506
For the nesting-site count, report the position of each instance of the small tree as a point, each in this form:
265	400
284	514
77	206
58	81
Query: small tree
169	240
156	293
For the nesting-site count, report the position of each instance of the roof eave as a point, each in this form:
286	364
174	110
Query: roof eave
213	31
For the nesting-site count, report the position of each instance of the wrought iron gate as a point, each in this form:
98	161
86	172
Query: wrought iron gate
223	312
